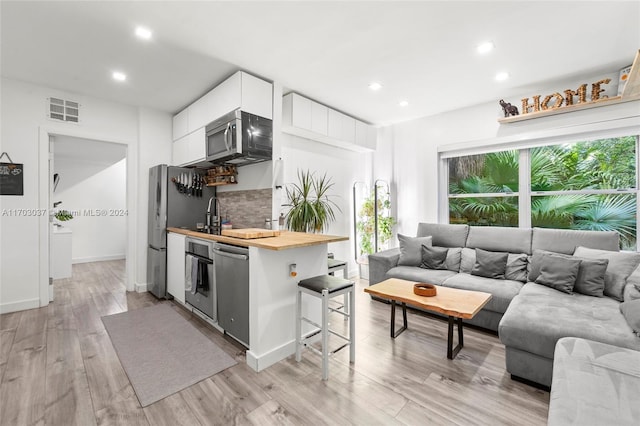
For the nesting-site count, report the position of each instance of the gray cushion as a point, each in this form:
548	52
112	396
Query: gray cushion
410	249
467	260
594	384
538	316
444	234
516	267
453	259
559	273
591	275
490	264
566	240
631	312
496	238
590	280
631	292
434	257
621	265
502	291
411	273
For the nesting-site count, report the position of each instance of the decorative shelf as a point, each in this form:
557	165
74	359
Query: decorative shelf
222	183
630	93
222	175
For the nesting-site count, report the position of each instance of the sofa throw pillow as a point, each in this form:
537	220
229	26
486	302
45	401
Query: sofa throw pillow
559	272
490	264
621	265
516	269
454	256
631	292
631	312
536	262
590	280
434	257
410	249
467	260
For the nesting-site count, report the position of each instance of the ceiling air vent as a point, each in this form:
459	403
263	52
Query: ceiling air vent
63	110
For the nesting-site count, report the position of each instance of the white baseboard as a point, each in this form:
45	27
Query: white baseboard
141	288
21	305
259	363
98	258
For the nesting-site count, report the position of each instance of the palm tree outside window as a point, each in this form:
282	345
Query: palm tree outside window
589	185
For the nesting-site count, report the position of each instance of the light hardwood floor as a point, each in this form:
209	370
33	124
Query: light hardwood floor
58	367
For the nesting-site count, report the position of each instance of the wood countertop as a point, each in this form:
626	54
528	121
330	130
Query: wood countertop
286	240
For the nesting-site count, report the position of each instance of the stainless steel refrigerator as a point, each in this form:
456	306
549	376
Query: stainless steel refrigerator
178	197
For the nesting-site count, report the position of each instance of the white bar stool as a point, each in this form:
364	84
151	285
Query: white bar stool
334	265
325	287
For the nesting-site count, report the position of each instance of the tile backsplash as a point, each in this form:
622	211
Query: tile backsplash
246	209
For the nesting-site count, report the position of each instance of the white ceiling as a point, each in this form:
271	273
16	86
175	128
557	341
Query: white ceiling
421	51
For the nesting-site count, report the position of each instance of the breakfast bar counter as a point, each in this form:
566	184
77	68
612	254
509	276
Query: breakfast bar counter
276	264
286	240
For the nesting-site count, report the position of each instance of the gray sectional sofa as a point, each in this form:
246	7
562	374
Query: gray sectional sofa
529	317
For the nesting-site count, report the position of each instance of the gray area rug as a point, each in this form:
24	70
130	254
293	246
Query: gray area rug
162	352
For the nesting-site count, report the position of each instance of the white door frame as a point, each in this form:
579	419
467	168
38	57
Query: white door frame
44	203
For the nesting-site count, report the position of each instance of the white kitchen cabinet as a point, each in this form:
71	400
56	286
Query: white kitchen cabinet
319	117
60	258
366	135
180	124
176	266
308	119
189	149
240	91
199	113
341	127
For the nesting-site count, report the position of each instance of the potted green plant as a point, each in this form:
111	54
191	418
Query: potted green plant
311	209
366	228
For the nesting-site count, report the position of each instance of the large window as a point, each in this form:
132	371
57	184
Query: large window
589	185
483	189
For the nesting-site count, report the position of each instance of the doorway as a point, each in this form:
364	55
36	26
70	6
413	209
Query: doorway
88	202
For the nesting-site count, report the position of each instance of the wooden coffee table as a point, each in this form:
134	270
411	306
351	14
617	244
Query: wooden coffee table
456	304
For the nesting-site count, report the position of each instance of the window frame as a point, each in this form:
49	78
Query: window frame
524	193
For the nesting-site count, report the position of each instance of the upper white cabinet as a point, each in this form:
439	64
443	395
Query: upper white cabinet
309	119
241	90
180	125
189	149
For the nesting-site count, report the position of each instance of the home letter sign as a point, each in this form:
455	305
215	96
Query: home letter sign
556	100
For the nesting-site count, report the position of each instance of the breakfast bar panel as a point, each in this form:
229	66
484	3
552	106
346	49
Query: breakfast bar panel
272	300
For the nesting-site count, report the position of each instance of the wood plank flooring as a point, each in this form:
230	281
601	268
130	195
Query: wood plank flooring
58	367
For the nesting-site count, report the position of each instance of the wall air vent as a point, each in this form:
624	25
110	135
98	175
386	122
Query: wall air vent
63	110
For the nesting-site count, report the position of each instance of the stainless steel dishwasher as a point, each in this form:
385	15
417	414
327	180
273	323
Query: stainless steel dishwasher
232	285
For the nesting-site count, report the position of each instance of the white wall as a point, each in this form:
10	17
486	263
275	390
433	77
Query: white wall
24	242
154	147
415	144
96	235
344	167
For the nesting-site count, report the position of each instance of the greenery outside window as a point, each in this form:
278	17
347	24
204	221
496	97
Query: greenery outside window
483	189
588	185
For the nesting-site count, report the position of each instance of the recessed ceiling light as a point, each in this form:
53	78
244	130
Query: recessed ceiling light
143	33
485	47
119	76
403	103
375	86
502	76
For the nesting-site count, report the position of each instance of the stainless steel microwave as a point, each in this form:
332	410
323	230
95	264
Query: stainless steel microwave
239	138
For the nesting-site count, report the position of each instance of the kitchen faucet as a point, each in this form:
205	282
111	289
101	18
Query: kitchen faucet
212	227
